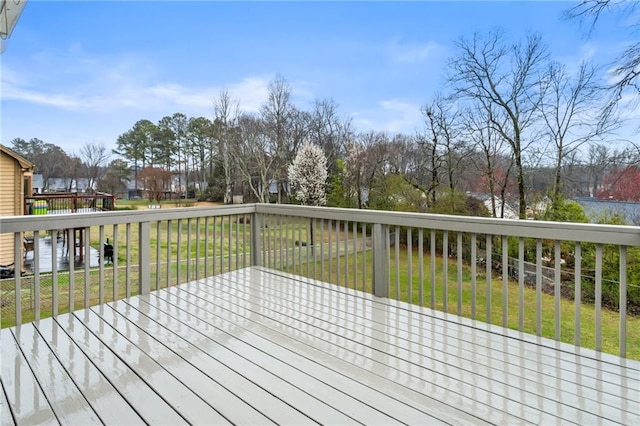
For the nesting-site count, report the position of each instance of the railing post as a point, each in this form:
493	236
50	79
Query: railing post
380	260
144	257
256	226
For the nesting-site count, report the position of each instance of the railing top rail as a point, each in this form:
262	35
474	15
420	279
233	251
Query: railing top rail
65	195
80	220
594	233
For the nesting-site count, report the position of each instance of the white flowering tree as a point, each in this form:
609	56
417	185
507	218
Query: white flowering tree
308	176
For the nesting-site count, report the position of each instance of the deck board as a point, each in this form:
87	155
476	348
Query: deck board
396	359
6	416
469	366
28	402
108	404
256	346
338	397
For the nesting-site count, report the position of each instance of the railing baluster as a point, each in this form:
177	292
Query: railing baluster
198	232
474	262
598	296
54	275
188	249
36	274
488	258
179	252
330	250
539	287
221	244
386	230
257	253
520	284
297	245
409	265
346	253
17	278
380	235
364	256
127	287
291	251
101	291
280	241
459	271
169	224
268	229
355	254
87	266
236	241
433	268
116	280
338	252
229	243
623	301
244	241
144	257
421	266
322	249
445	271
157	257
314	250
71	243
577	293
286	242
397	260
505	280
306	248
557	289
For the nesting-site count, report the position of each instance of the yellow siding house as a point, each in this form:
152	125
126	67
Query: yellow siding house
16	175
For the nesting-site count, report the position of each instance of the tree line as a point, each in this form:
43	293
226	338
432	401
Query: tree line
510	122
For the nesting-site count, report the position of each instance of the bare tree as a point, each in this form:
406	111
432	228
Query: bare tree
226	112
627	66
276	114
570	111
504	78
328	130
95	157
481	133
354	170
254	157
448	148
431	142
598	162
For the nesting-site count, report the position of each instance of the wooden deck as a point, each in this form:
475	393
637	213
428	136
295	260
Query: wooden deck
256	346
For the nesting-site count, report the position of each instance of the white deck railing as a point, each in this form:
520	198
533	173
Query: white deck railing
492	270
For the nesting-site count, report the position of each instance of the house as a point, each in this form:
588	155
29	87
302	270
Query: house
16	177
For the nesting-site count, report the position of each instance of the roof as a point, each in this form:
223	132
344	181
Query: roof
24	163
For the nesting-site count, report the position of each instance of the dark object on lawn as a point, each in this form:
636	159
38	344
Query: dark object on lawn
108	252
6	271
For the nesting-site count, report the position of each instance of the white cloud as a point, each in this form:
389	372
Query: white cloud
412	52
100	85
585	53
393	116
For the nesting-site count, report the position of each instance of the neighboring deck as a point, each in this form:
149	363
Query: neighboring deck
256	346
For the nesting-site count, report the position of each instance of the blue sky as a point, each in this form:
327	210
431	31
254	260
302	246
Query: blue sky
78	72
